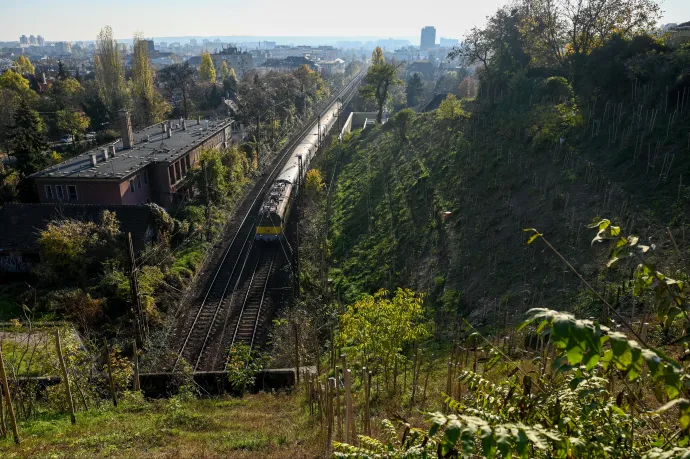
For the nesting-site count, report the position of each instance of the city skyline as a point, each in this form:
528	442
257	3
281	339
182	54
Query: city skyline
76	20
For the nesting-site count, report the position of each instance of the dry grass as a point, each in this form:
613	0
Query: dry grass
262	425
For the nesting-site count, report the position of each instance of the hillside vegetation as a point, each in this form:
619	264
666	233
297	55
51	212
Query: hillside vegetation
438	201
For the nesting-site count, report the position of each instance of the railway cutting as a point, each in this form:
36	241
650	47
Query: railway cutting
243	288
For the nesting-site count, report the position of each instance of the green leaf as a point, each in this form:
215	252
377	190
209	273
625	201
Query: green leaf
437	420
452	434
488	442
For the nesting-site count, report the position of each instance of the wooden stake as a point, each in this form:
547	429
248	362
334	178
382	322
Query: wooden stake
331	391
338	413
367	396
8	397
65	377
137	385
113	395
349	412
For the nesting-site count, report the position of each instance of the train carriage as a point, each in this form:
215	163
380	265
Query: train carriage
276	207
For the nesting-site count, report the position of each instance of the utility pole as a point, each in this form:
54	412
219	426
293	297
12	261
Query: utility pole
139	319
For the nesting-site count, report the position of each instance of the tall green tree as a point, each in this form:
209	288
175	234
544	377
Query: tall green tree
142	83
27	142
109	71
414	90
207	72
224	71
379	80
178	79
377	56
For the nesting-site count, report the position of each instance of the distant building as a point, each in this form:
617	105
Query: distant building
428	37
241	61
23	40
41	41
679	34
150	165
449	42
192	41
32	40
268	45
289	64
63	47
150	46
425	69
336	66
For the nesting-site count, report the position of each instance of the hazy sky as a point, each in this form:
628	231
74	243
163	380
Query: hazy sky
81	20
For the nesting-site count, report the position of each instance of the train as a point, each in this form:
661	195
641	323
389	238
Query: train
279	200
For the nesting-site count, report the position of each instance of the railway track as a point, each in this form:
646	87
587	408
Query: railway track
204	334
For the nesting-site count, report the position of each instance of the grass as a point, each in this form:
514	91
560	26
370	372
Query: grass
262	425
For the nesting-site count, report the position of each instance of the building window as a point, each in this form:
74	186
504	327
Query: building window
171	173
131	185
186	159
178	174
49	192
138	181
146	177
184	168
72	192
59	192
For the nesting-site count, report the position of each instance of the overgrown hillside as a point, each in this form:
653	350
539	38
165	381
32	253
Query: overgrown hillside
536	156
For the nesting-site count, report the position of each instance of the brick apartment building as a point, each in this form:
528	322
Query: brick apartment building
145	166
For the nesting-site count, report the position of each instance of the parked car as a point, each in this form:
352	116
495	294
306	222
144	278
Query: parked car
67	139
90	136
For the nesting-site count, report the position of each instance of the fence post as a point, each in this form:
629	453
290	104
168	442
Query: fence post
65	375
338	414
137	384
330	390
349	412
110	373
8	397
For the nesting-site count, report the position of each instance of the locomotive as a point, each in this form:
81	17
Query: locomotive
278	202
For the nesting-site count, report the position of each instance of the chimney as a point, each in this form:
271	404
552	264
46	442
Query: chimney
164	127
198	120
126	130
45	81
111	148
184	125
93	160
105	154
169	133
206	124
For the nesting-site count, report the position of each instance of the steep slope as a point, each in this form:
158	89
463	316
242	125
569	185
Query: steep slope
500	168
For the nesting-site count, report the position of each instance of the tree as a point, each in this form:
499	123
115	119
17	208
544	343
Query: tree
224	71
403	119
178	79
414	90
25	66
142	83
207	72
378	326
72	247
380	77
377	57
27	143
109	72
13	89
313	185
73	122
64	93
